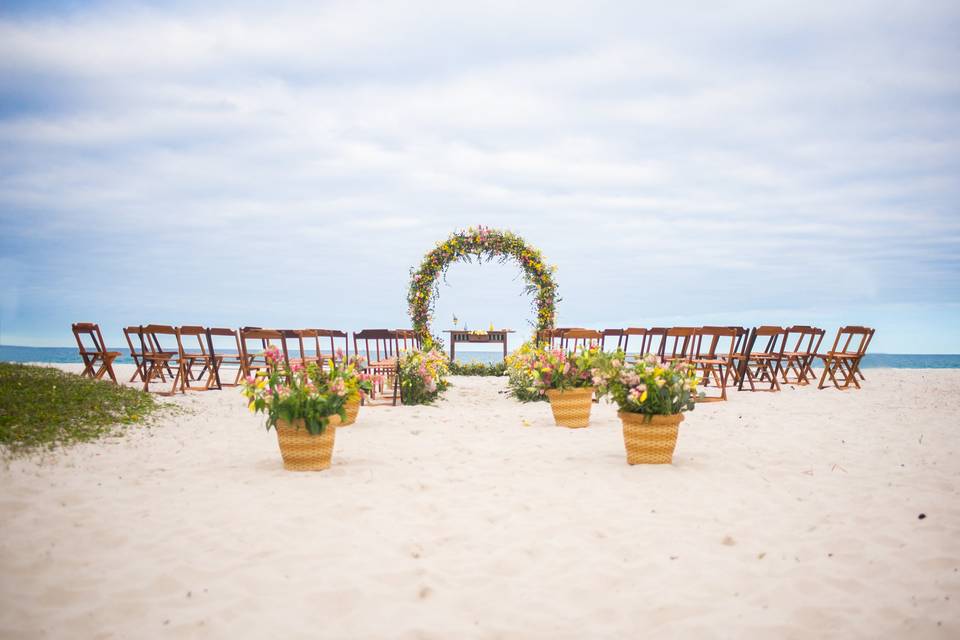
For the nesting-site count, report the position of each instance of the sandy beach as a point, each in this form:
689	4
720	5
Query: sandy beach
789	515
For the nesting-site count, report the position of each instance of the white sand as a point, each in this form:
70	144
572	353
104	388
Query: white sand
784	515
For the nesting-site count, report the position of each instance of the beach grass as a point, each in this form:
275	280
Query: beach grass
43	408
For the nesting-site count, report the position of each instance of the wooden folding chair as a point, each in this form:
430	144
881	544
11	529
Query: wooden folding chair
798	359
382	357
157	359
407	340
252	359
228	352
291	344
549	338
714	358
580	339
656	342
761	357
638	333
334	335
201	356
129	333
678	344
739	344
97	361
845	360
611	334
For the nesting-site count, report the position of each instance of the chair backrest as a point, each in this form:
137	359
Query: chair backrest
132	336
378	344
611	334
656	341
742	335
766	339
855	340
577	339
93	345
265	338
550	338
711	343
333	335
678	342
407	339
640	334
187	335
803	339
159	339
291	344
223	332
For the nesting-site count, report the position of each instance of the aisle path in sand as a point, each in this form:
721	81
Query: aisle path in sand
784	514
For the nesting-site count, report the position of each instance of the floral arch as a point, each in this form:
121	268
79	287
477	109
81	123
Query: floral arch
483	244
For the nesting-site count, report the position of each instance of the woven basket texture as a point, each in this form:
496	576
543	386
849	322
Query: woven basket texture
650	442
571	407
302	451
353	408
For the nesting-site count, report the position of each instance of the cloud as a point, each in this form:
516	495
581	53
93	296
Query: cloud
665	158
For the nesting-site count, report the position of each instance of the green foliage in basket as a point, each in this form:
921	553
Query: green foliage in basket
310	393
458	368
652	388
423	375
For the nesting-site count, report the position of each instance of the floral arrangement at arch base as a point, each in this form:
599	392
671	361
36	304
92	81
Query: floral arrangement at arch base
652	397
484	244
423	375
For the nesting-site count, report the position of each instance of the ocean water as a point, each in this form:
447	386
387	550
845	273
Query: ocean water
872	360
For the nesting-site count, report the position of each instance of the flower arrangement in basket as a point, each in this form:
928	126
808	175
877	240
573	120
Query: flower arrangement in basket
423	375
303	405
347	373
652	397
569	380
521	379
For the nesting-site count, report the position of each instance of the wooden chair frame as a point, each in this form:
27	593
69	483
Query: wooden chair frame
656	342
254	362
383	359
230	357
619	334
798	359
97	362
763	365
156	359
680	341
714	364
580	339
843	360
134	347
209	362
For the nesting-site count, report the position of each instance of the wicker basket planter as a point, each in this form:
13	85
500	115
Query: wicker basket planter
650	442
571	407
352	408
302	451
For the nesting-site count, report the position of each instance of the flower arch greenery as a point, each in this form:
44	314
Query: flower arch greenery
484	244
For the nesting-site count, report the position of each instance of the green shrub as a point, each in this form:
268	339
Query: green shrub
458	368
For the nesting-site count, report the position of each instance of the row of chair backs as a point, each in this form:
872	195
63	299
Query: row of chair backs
380	345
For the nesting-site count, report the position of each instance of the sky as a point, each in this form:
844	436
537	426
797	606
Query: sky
226	164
